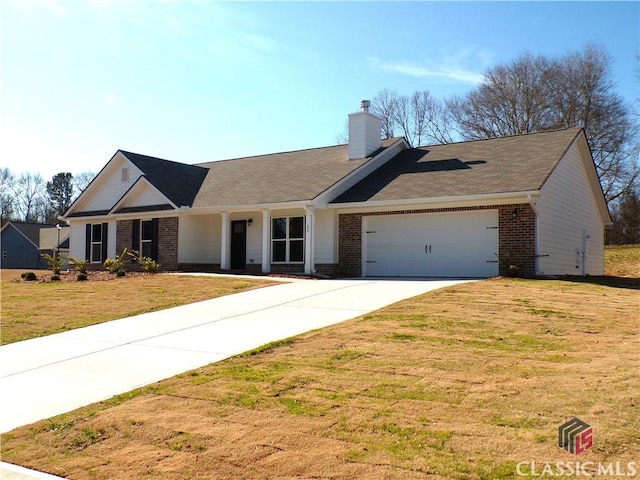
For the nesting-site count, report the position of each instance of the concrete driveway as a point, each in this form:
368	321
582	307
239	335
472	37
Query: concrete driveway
51	375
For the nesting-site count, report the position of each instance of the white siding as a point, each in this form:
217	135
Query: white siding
77	240
325	239
199	239
568	218
112	187
147	196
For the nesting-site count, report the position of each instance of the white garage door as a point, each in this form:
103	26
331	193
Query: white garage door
450	244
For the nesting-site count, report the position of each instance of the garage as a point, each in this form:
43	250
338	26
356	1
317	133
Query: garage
448	244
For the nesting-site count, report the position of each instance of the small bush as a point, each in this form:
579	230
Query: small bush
82	277
80	266
29	276
115	265
147	264
121	273
55	263
55	278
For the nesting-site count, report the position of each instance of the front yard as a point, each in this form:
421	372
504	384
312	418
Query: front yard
460	383
34	309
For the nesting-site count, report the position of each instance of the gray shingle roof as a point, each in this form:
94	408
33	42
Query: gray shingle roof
179	182
279	177
500	165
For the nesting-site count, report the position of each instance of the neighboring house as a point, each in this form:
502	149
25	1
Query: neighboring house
370	208
23	243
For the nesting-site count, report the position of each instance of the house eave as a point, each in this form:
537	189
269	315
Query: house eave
439	202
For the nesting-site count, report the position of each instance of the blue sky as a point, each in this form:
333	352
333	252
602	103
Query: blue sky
197	81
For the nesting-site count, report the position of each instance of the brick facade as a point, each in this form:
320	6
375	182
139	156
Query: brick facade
167	242
516	237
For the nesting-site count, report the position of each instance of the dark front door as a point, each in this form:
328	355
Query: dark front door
238	244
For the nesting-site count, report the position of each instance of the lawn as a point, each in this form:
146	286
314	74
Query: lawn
459	383
622	260
34	309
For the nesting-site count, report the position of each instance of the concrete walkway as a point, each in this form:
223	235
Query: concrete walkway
51	375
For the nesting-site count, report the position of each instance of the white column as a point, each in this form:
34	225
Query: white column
266	242
309	261
225	242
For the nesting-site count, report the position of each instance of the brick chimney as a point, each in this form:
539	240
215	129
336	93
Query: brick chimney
364	132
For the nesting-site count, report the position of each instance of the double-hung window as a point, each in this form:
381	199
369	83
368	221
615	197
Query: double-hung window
96	243
146	238
287	240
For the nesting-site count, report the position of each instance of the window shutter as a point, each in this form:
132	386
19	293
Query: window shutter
105	227
87	243
154	236
135	235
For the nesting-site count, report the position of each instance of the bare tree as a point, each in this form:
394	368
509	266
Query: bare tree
385	106
7	181
514	98
534	93
82	181
29	192
420	118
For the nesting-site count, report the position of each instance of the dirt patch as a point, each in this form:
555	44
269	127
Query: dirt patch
460	383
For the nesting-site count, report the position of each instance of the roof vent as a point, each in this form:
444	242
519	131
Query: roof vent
364	105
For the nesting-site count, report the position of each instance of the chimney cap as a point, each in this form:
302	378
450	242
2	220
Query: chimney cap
364	105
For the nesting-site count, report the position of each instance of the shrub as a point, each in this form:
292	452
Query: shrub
121	273
55	263
147	264
82	277
29	276
80	266
55	278
115	265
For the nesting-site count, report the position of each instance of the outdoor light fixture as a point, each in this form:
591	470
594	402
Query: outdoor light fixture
58	227
514	214
250	221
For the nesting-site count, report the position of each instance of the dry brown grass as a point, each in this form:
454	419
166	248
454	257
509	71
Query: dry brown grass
622	261
34	309
460	383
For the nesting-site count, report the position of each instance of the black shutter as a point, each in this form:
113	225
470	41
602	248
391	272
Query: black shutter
87	243
105	228
135	235
154	239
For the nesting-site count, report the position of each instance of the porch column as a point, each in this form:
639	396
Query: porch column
266	241
224	242
310	233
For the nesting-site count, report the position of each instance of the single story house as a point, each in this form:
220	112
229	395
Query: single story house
369	208
23	244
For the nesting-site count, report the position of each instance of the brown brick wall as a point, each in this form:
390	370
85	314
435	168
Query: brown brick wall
516	237
167	242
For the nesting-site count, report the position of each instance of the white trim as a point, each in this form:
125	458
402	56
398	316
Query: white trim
266	228
440	202
225	244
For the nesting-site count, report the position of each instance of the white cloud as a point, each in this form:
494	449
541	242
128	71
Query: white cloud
449	70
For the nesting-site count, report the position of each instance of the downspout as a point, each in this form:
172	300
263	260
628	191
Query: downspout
536	253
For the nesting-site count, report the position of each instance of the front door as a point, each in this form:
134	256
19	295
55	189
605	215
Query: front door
238	244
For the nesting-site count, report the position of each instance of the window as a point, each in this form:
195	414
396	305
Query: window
146	238
124	174
96	243
287	240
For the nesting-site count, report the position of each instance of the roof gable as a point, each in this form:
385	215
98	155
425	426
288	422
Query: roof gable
178	182
501	165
